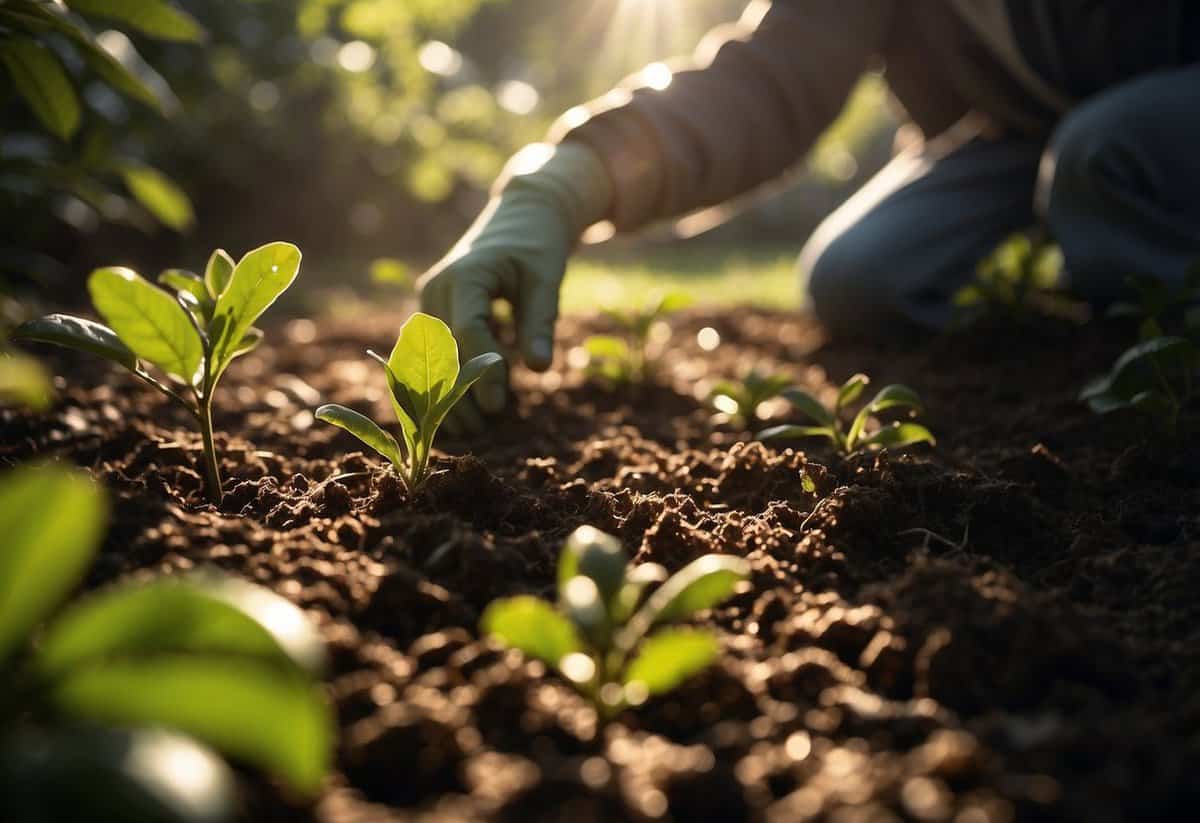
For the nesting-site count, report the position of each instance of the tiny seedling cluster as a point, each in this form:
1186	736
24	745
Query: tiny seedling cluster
740	400
599	633
628	358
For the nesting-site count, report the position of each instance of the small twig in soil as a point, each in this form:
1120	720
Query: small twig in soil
933	537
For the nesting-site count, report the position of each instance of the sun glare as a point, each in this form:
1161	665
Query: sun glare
638	32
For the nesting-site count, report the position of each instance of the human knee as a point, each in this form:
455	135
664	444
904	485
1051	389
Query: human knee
836	282
1086	155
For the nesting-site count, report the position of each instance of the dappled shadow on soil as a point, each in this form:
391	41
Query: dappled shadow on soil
1004	628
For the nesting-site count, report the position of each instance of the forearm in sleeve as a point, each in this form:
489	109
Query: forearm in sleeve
749	104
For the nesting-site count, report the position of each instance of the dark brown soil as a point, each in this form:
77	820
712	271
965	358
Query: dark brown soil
1004	628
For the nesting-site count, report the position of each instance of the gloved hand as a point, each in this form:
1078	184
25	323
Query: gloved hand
517	249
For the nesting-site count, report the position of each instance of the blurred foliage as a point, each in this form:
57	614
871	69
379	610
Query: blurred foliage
1010	279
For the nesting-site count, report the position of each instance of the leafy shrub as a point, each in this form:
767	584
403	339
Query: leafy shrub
35	37
598	635
190	337
829	424
110	703
626	358
741	399
1008	280
425	381
1157	377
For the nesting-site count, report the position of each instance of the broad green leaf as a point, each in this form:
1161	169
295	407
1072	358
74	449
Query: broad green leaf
218	272
606	347
669	657
257	281
149	321
630	594
160	196
255	711
596	555
533	626
402	404
671	303
809	406
156	18
471	371
391	272
184	281
796	433
425	361
23	382
79	334
893	396
365	429
1134	371
851	390
117	775
900	434
200	617
52	520
699	585
43	82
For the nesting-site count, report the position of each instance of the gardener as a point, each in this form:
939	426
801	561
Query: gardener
1083	114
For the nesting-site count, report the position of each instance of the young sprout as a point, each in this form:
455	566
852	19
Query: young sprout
1158	377
1008	278
598	636
1158	305
625	359
829	422
425	382
741	399
115	698
191	337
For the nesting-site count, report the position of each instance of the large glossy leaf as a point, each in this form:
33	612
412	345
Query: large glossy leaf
218	272
80	334
669	657
149	321
596	555
256	711
533	626
365	429
425	361
23	382
809	406
257	281
160	196
52	520
43	83
156	18
699	585
212	616
898	435
117	775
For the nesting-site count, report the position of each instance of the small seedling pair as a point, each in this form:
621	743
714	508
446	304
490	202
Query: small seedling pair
740	399
191	337
110	704
829	423
425	382
599	637
626	359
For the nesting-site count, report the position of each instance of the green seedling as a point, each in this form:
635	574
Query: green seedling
1157	377
425	382
627	358
740	399
1007	280
598	636
1158	306
829	422
190	336
116	702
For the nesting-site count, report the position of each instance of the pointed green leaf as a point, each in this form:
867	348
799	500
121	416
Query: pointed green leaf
471	371
159	195
898	435
200	616
80	334
425	361
156	18
148	321
257	281
895	396
630	595
182	280
670	303
533	626
402	404
52	520
700	585
669	657
851	390
365	429
596	555
809	406
256	711
249	342
218	273
43	82
795	433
